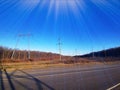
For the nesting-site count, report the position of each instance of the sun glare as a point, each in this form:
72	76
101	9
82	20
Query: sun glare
64	5
58	6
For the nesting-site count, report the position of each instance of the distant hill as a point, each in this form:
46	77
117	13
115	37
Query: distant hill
112	52
108	54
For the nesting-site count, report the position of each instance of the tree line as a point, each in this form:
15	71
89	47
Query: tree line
22	55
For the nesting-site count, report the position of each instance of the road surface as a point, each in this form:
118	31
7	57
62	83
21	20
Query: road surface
99	77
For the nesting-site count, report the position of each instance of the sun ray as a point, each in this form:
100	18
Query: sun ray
110	9
30	3
61	6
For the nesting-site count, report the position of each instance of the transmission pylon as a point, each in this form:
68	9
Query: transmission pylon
60	50
19	36
75	55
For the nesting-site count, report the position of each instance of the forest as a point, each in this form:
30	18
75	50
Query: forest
6	54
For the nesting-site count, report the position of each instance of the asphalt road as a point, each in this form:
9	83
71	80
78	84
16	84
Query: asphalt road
99	77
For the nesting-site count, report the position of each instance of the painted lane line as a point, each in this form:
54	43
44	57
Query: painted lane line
113	87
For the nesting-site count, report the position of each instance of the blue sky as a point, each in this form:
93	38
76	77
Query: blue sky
82	25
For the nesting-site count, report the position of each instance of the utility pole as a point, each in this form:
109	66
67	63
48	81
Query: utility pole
93	53
59	44
15	49
76	52
75	56
19	36
104	53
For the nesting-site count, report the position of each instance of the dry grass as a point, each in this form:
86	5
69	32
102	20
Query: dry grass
48	64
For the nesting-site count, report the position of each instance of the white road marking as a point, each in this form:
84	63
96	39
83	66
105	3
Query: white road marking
113	87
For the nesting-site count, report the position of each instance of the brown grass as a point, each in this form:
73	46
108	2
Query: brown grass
47	64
